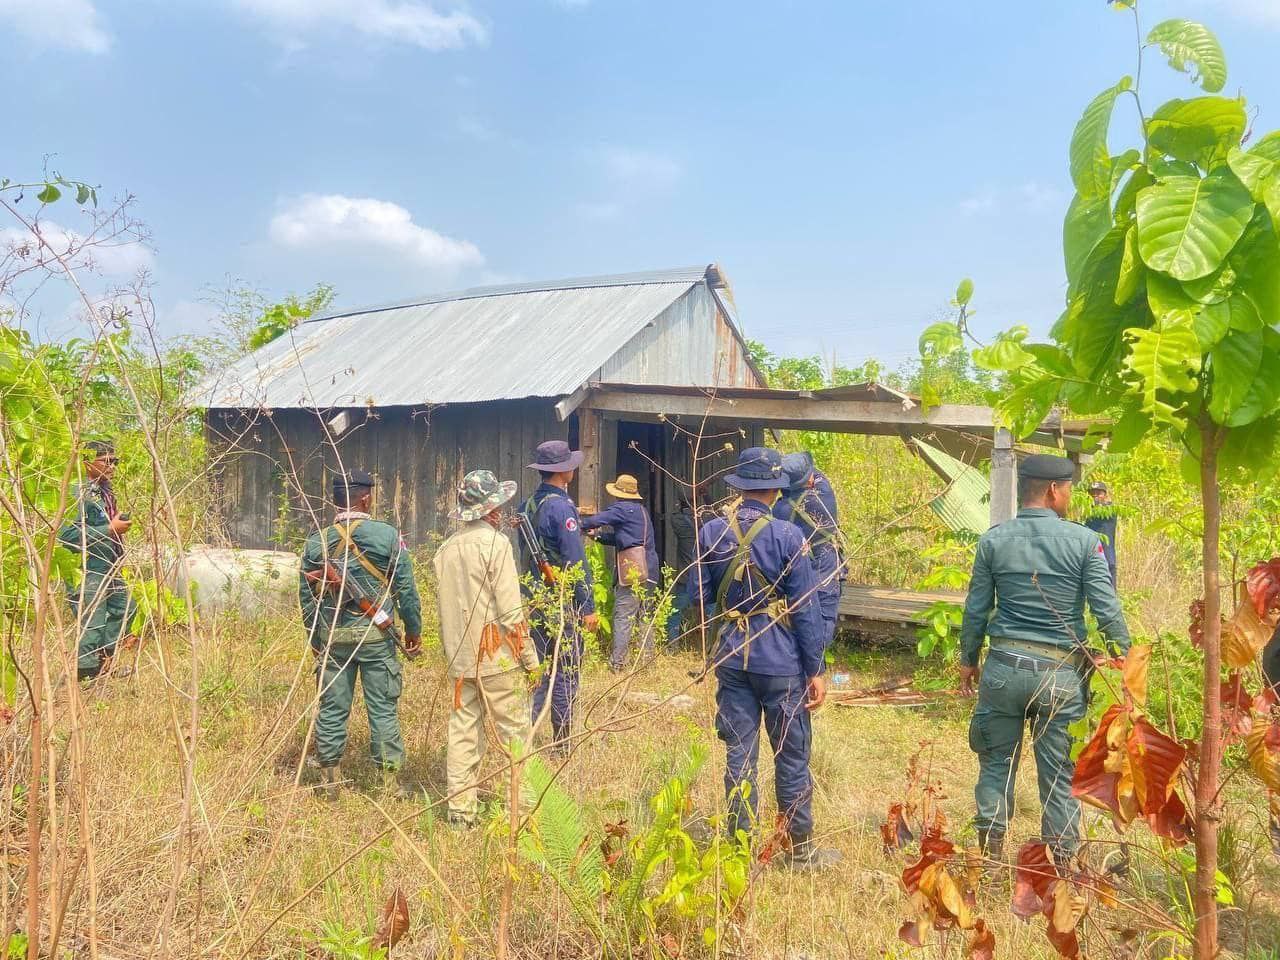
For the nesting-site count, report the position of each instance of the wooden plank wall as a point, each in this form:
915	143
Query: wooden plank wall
272	472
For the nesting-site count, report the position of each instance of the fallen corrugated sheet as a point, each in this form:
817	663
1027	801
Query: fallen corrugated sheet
965	505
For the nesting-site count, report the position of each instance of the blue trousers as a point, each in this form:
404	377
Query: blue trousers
679	604
568	664
742	700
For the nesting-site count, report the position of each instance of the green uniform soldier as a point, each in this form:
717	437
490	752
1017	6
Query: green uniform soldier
101	603
346	642
1036	572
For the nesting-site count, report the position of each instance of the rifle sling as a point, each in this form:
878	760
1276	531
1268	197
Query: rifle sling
344	533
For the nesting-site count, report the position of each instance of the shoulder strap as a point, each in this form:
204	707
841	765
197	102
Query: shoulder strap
344	534
742	558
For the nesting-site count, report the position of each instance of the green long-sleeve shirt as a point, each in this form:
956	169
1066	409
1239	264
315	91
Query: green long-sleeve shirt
381	545
87	530
1031	579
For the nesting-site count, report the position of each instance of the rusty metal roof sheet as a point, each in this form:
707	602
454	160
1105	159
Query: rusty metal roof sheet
488	343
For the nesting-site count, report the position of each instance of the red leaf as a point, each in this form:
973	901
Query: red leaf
894	832
1263	584
1195	631
395	921
912	933
617	830
1156	760
932	849
1033	873
1173	822
1092	783
1237	707
981	944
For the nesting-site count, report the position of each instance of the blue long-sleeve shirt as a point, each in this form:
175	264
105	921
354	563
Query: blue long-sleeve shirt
556	525
631	528
813	510
779	569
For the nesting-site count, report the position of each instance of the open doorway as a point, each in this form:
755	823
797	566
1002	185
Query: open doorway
639	453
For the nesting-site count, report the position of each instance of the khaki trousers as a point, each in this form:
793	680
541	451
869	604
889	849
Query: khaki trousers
484	707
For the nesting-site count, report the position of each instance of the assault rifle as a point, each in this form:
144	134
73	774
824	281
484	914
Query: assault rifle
534	546
329	579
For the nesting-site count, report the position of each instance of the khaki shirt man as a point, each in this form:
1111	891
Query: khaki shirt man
484	635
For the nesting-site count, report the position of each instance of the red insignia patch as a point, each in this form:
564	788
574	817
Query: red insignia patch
570	524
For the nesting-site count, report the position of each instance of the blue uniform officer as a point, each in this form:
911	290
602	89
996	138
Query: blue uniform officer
1032	576
810	504
768	651
630	532
557	635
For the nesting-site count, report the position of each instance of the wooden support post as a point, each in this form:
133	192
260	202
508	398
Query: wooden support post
589	488
1004	478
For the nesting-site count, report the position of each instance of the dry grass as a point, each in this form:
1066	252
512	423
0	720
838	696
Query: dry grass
261	849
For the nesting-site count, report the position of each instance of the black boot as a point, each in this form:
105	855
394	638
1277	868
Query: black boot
805	855
991	844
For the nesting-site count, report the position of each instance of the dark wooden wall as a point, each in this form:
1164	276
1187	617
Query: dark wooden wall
273	470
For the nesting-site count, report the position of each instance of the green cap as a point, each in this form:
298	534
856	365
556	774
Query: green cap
1045	466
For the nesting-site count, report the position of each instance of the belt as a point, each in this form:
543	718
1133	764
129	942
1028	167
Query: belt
1039	657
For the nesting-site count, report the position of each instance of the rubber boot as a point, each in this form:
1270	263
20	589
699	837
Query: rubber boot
329	778
992	847
805	855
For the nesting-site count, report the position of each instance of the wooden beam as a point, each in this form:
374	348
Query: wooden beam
571	403
1004	478
589	474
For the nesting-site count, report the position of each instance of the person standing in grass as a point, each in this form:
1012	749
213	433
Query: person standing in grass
345	641
484	636
1102	521
101	603
810	503
1032	576
630	533
768	651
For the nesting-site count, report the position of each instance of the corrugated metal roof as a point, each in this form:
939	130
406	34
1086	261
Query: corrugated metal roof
487	343
965	506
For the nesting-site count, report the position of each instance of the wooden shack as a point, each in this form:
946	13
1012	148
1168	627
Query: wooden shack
420	392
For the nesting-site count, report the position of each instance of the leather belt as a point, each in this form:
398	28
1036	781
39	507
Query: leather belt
1038	657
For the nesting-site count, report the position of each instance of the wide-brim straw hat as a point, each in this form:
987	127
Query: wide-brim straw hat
625	487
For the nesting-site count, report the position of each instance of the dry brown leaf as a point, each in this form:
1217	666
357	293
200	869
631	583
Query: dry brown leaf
1136	664
1263	745
1244	636
1068	906
981	943
394	923
939	886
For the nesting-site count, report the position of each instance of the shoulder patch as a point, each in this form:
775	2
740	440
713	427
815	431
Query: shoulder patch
571	524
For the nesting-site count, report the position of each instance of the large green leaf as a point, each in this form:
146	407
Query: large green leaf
1186	227
940	339
1248	453
1031	396
1268	147
1005	352
1162	364
1093	324
1090	156
1256	262
1262	397
1253	169
1200	131
1193	49
1088	219
1132	270
1234	363
1130	427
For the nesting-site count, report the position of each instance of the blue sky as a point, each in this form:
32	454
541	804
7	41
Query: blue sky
845	162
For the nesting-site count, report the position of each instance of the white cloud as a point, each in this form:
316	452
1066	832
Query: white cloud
414	22
70	24
1259	11
115	258
640	169
333	221
1029	197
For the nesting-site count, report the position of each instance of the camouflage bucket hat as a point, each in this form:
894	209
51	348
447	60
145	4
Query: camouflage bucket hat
481	492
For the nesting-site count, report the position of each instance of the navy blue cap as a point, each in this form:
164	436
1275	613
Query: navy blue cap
352	480
799	468
1045	466
758	468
